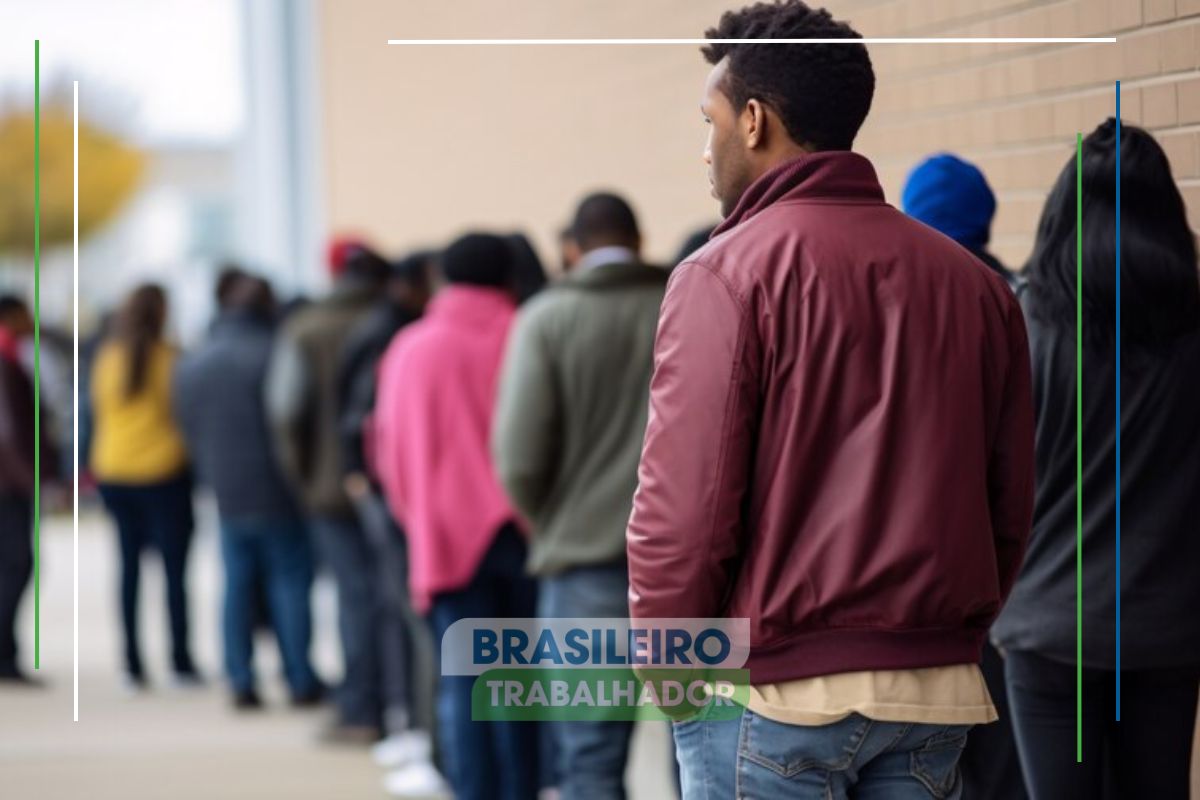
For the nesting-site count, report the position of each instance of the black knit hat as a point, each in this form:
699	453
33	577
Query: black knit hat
480	259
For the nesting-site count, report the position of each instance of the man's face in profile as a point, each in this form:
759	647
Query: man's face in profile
724	152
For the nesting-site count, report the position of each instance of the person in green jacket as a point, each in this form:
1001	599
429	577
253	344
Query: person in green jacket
566	441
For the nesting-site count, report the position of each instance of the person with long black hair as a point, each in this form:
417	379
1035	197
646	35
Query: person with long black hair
1147	753
141	464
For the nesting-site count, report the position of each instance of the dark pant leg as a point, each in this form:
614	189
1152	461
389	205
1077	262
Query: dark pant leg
1152	744
132	537
16	565
288	565
991	769
396	646
344	549
513	594
420	661
1041	693
465	746
169	508
486	759
238	552
591	755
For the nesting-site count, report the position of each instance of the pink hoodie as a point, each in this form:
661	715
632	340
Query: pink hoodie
431	428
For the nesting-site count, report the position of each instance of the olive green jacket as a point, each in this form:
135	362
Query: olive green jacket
571	411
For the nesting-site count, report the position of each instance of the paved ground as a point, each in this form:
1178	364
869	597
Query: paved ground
184	745
170	743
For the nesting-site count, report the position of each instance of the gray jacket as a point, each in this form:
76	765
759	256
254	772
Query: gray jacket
218	397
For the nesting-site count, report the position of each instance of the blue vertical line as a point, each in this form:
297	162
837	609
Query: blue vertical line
1118	419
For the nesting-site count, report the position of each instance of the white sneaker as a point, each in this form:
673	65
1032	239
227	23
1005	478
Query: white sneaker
404	748
418	779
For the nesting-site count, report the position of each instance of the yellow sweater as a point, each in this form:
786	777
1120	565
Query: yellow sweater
136	439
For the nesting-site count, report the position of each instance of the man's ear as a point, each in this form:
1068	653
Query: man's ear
754	124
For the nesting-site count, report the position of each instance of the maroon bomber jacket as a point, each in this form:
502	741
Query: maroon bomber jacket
840	440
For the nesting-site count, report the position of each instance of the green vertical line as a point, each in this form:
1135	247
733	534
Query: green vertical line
1079	448
37	355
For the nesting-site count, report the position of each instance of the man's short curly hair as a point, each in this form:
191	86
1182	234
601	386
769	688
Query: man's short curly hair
822	92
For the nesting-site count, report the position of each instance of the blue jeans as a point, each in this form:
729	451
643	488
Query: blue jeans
344	549
753	757
590	756
486	760
275	554
158	516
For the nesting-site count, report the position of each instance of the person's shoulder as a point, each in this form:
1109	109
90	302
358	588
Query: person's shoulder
548	307
416	336
108	356
732	259
749	245
307	322
208	355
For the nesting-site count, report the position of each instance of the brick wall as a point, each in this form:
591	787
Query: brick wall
1014	109
568	119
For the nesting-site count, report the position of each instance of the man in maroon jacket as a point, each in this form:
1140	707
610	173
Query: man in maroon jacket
840	442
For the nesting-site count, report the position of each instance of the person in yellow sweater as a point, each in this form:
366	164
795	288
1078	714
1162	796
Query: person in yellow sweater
141	465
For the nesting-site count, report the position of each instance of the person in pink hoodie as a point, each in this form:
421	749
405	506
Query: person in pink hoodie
432	424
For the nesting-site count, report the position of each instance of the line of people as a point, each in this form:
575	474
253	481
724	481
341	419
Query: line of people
476	456
850	425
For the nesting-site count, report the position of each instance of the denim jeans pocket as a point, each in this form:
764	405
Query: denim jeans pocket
935	763
789	750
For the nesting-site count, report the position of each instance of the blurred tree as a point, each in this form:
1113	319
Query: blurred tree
108	173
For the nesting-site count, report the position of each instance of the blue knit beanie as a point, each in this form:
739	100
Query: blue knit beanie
952	196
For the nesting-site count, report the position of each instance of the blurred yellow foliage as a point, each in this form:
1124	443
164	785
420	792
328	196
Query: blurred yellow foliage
108	173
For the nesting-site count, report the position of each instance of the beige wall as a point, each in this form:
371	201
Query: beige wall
422	142
1015	109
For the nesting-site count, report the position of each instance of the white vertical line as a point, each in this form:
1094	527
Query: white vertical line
75	388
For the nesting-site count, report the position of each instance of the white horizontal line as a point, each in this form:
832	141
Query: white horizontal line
883	40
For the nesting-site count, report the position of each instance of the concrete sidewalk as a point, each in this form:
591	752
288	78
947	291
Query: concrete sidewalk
173	743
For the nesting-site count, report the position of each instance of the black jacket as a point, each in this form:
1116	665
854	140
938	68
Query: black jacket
357	377
16	431
219	406
1160	507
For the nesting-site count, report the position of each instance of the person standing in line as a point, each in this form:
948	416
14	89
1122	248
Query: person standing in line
1147	752
437	395
53	368
16	481
953	197
566	441
264	544
302	410
840	442
406	649
140	463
